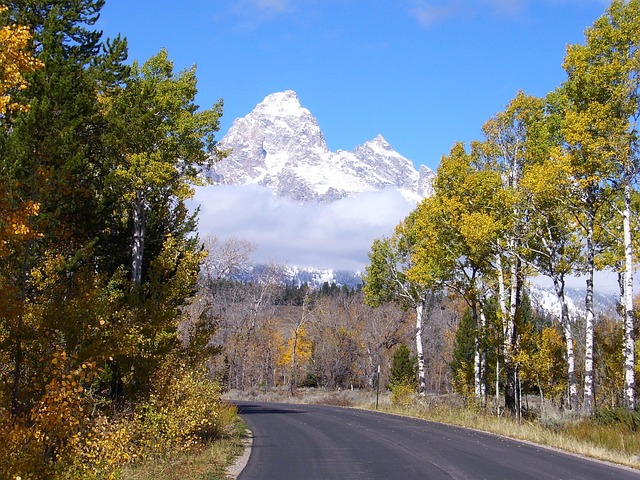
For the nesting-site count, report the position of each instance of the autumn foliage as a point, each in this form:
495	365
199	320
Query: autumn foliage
94	376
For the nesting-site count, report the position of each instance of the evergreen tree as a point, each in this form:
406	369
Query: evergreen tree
463	353
53	156
404	367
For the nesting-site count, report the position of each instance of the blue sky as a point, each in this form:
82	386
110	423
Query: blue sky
423	73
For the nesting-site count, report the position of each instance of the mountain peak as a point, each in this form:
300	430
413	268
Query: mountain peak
380	140
280	145
282	104
379	144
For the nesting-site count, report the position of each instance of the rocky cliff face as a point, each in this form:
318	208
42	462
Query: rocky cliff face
280	145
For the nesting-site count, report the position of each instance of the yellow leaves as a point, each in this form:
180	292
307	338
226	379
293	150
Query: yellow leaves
541	360
547	184
16	225
64	436
15	61
184	410
298	345
479	232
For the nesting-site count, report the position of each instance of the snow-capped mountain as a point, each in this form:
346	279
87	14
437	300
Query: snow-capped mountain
280	145
298	276
544	299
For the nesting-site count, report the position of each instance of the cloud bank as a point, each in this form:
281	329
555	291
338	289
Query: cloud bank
336	235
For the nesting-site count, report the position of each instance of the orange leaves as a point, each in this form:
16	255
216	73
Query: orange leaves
297	349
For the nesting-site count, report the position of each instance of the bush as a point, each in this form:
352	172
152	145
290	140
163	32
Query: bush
65	436
628	419
402	394
184	411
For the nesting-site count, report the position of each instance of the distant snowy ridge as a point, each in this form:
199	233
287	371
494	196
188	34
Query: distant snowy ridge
545	299
280	145
315	278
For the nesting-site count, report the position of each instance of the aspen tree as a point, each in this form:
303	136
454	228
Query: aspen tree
603	86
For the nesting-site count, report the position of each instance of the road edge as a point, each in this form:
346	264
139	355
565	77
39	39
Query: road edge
234	470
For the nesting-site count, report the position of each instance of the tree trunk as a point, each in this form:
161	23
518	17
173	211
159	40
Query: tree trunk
588	395
511	403
137	250
294	348
565	321
480	354
628	349
422	383
498	384
507	332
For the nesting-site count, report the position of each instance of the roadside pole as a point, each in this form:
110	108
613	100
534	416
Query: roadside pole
378	387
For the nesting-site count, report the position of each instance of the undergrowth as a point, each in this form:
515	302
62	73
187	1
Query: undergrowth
207	462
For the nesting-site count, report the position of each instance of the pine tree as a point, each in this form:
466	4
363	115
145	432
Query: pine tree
403	367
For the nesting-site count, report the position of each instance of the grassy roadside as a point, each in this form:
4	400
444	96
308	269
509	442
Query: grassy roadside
615	443
208	462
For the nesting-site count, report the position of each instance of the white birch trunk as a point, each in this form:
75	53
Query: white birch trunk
588	395
502	292
565	321
477	368
422	383
513	301
498	384
137	250
480	359
629	340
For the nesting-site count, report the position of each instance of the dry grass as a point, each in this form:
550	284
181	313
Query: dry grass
343	398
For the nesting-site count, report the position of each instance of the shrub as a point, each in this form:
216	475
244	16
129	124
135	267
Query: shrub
184	411
630	420
402	394
64	435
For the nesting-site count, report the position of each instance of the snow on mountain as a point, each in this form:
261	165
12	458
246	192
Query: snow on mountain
315	278
280	145
544	299
298	276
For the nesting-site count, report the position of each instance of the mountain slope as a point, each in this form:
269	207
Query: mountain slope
280	145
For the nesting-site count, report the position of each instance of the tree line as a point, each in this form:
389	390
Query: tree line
274	334
550	190
97	252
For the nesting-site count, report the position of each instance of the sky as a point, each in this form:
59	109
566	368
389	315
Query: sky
423	73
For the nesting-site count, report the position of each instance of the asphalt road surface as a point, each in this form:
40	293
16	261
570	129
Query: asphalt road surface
313	442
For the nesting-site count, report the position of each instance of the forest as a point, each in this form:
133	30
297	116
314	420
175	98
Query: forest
97	252
120	328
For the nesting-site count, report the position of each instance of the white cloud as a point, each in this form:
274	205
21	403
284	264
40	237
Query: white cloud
336	235
429	12
509	8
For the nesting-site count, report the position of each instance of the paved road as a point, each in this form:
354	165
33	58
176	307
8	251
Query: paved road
313	442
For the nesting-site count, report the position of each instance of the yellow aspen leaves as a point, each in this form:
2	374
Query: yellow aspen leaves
16	59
